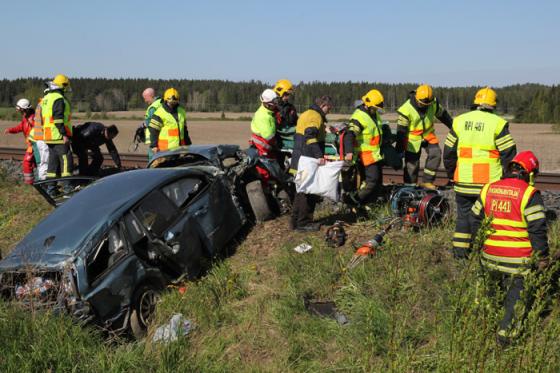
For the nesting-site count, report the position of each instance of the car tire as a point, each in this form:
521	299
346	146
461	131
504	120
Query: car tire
143	307
258	201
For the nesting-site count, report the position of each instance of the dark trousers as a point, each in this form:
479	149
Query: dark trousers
412	164
512	288
303	209
87	169
60	161
373	176
462	235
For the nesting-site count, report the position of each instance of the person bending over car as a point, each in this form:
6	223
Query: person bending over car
89	137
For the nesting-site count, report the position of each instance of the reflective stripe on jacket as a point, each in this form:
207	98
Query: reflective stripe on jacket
478	156
51	133
507	247
369	135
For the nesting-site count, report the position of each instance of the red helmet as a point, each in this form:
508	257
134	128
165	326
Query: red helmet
528	161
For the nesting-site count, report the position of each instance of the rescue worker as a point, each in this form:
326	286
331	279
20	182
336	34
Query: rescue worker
40	149
363	139
89	137
57	131
168	125
25	127
153	102
416	130
263	129
309	141
477	149
517	241
286	113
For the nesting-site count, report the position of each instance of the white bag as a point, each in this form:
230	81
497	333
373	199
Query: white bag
311	178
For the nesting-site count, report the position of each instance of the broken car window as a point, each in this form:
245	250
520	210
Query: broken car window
108	252
182	191
156	212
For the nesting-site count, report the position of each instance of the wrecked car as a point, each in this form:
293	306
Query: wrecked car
105	254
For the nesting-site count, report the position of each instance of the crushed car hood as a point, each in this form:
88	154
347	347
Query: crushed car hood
212	153
76	224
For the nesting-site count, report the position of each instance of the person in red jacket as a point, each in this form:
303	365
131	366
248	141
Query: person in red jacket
517	241
25	126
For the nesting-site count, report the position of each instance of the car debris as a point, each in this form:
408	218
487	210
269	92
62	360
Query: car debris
177	326
302	248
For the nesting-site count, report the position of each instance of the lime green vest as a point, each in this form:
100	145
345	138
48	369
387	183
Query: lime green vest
418	128
172	133
478	158
263	123
368	138
154	105
50	132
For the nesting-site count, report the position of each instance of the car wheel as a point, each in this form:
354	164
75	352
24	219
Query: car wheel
258	201
143	308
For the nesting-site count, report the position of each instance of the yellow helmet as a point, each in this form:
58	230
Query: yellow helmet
424	95
373	98
283	86
171	94
485	96
61	81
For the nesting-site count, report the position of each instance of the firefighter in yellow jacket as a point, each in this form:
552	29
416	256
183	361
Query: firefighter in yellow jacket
477	150
57	132
309	141
416	130
168	125
365	134
517	240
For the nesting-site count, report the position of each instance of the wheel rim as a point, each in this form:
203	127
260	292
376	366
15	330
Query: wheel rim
147	306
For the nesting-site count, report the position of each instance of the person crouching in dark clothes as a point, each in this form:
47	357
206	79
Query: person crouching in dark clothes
90	136
309	141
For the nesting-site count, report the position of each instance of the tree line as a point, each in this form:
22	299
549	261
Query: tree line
527	102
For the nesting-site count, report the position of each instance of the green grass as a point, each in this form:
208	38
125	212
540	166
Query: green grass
411	308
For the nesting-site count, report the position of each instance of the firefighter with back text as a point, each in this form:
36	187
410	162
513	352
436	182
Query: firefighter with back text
477	150
517	239
416	130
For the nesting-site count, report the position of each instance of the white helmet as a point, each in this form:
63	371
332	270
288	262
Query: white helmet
23	104
268	96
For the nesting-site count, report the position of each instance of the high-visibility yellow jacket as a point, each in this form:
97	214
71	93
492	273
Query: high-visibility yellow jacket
263	123
419	127
171	129
478	137
51	134
148	117
369	135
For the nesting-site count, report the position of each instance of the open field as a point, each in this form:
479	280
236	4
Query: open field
536	137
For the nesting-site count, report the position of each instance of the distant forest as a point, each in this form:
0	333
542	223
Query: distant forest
526	102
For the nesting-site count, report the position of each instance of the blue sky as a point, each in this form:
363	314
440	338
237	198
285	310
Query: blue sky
448	43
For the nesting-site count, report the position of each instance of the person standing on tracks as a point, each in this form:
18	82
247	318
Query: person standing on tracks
517	242
57	132
263	130
286	115
25	127
363	140
40	149
168	125
416	130
309	141
88	137
477	150
153	102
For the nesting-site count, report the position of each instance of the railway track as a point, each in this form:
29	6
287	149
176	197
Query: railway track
545	180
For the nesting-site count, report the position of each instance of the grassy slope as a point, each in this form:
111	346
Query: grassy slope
411	308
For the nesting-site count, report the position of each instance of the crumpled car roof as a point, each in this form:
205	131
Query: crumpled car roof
75	223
